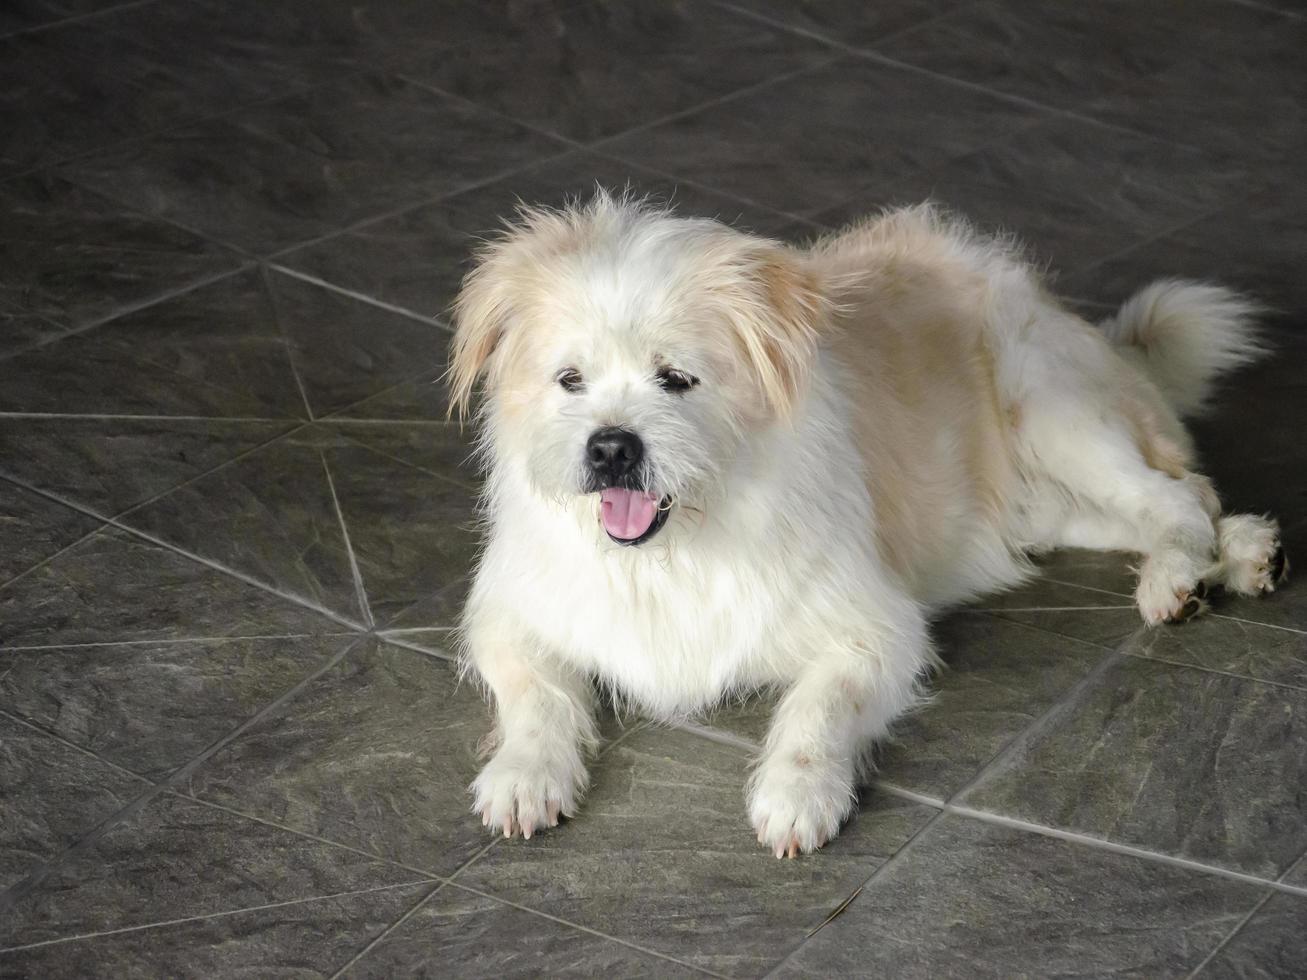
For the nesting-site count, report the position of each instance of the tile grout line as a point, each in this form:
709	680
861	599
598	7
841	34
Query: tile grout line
198	559
124	417
586	929
355	572
430	321
80	749
265	282
378	939
93	836
130	309
872	54
444	478
75	19
882	869
1149	658
223	638
226	913
1129	850
1230	937
435	654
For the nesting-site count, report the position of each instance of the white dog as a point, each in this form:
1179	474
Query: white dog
717	463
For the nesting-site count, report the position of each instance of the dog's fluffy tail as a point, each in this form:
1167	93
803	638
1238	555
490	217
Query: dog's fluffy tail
1184	335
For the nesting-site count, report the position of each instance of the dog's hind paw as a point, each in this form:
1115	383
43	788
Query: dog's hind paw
1252	559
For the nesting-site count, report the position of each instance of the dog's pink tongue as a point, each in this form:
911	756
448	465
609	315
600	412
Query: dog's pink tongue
626	514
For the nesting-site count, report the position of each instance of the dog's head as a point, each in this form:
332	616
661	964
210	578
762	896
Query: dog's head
631	354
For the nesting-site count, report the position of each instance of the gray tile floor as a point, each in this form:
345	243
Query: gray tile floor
235	529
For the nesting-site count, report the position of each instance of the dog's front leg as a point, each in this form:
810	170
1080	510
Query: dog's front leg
805	783
544	725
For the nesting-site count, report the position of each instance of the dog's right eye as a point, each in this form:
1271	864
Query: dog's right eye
570	379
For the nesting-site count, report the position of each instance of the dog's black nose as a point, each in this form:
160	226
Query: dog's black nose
613	453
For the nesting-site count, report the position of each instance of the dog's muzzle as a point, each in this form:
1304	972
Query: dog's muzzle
629	513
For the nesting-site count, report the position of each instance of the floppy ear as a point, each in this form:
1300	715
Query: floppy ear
779	315
481	314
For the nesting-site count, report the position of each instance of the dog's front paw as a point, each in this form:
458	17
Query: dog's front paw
521	791
1169	592
797	805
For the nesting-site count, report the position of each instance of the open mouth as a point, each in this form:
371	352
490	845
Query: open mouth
632	516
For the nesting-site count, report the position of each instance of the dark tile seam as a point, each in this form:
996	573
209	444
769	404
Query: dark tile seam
49	558
25	886
378	939
226	913
198	559
878	57
355	572
75	18
129	309
1243	922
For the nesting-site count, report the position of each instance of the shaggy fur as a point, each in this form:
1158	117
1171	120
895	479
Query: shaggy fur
880	426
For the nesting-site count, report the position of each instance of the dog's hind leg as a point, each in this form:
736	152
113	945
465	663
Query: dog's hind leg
1120	486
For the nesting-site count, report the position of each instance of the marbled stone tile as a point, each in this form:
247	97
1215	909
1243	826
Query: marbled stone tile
53	795
1048	186
1185	762
20	15
1263	653
459	933
300	939
602	68
1272	944
176	858
19	330
345	350
1058	54
972	899
998	677
114	586
110	465
1108	572
33	528
274	175
151	707
214	351
377	753
72	256
849	21
76	87
417	259
1237	83
805	144
270	515
1253	246
413	533
662	855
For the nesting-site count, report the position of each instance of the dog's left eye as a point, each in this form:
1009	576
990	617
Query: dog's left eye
569	379
678	381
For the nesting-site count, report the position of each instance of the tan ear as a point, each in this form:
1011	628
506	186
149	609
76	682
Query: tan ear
481	313
779	320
